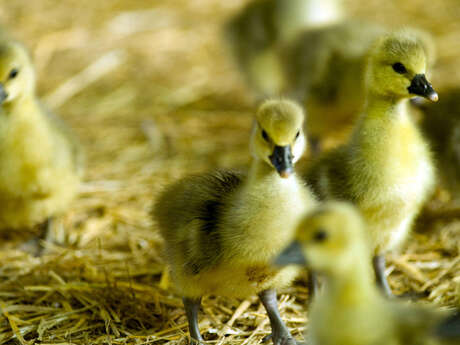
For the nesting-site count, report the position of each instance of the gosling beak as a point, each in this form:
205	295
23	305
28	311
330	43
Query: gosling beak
291	255
3	94
422	87
281	159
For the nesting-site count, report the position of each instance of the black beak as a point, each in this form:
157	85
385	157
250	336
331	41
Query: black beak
3	94
291	255
422	87
281	159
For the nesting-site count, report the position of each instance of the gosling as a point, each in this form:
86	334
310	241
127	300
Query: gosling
323	70
386	167
332	240
221	229
41	163
255	34
441	125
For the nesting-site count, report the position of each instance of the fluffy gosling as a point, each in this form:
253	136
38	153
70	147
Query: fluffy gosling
386	167
221	229
441	125
255	33
40	160
350	310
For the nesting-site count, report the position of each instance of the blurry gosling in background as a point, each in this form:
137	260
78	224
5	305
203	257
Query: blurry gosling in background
386	167
255	33
221	229
40	160
324	70
441	125
350	310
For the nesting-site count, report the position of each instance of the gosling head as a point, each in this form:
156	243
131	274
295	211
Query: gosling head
277	136
397	65
329	240
17	76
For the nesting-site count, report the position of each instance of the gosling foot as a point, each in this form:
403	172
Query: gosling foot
413	295
281	340
379	264
280	333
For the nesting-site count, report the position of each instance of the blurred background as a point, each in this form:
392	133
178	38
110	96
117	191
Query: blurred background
154	94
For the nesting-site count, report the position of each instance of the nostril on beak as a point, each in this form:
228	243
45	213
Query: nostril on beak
3	96
281	158
422	87
3	93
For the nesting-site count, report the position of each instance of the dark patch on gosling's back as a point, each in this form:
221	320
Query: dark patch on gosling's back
210	215
221	183
218	187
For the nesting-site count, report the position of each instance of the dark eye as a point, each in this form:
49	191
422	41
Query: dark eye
13	73
398	67
320	235
265	136
297	135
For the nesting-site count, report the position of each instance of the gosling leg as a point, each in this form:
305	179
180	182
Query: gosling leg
280	333
313	286
315	145
192	306
34	246
379	264
382	281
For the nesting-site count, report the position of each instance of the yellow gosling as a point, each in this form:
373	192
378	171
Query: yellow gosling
40	160
350	310
386	167
221	229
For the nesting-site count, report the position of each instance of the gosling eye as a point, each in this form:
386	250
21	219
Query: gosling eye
265	136
13	73
297	135
320	236
398	67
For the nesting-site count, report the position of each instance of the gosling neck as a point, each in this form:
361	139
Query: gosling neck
387	107
21	104
352	286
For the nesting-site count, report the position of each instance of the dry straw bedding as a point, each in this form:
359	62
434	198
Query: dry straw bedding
153	96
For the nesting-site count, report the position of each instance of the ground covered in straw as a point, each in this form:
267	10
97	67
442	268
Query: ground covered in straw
153	96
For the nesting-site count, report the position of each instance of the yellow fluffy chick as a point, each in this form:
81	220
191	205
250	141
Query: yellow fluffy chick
40	161
332	241
441	125
255	33
221	229
386	167
324	70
